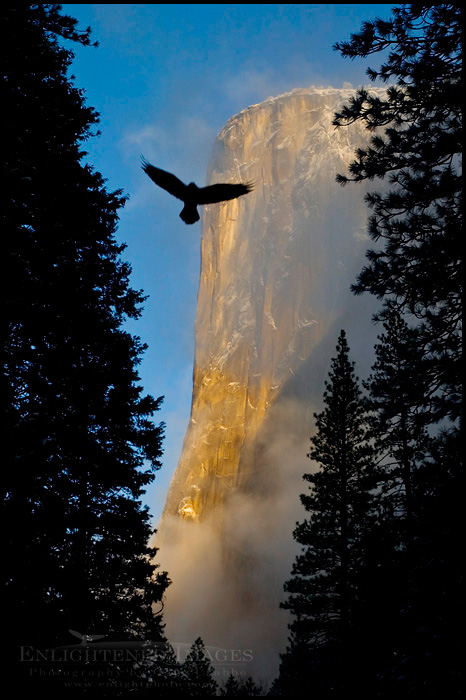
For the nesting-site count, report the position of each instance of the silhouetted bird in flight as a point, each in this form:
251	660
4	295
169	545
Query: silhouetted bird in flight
191	194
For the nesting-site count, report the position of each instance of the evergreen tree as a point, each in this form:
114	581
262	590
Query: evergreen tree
416	147
324	596
231	687
395	403
161	673
396	390
198	672
241	687
410	563
417	270
249	689
80	441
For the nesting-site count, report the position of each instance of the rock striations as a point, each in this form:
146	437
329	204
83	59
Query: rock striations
276	267
276	270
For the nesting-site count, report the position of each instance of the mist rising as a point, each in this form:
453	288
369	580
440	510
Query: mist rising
276	270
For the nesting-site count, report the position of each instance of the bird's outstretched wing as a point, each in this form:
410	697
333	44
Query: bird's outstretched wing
222	192
167	181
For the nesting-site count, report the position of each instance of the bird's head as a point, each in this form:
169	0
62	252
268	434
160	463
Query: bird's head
192	188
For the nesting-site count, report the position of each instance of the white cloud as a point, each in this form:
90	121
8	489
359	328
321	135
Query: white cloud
148	134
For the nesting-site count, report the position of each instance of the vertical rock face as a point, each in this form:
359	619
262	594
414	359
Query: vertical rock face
276	267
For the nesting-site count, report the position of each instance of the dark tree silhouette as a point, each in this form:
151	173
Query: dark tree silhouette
80	443
231	687
416	147
411	562
198	672
191	194
397	388
324	595
416	269
241	687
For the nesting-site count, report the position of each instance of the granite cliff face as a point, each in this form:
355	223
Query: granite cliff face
276	270
276	267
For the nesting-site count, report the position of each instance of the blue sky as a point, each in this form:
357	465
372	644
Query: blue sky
165	79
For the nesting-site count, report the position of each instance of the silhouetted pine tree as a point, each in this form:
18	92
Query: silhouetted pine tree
249	689
161	673
396	403
231	687
198	672
416	269
80	445
322	656
397	390
411	563
417	147
241	687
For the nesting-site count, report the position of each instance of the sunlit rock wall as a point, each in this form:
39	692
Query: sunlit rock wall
274	293
276	268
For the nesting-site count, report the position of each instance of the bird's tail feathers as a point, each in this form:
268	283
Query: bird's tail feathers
189	215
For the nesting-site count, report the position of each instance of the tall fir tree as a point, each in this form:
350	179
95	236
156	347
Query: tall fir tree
416	269
198	672
324	596
241	687
231	687
412	562
80	441
417	148
395	403
396	391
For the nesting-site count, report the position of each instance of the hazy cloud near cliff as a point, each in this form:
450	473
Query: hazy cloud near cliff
274	293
